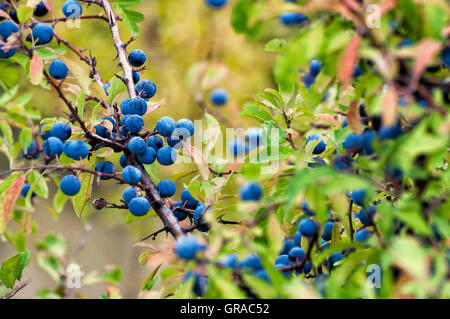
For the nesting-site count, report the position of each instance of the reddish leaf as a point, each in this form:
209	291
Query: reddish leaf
199	160
353	119
49	5
328	118
146	245
389	108
424	53
8	200
153	106
36	69
347	61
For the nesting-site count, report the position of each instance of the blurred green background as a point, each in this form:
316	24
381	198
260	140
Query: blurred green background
175	36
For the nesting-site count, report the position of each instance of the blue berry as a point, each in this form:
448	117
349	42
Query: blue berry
446	56
53	146
307	268
343	162
112	121
42	33
367	139
252	261
166	156
230	261
137	58
327	231
253	138
287	245
292	18
178	211
362	235
25	189
308	80
72	9
129	193
139	206
123	161
198	218
70	185
136	76
137	145
358	197
125	106
366	217
306	209
105	167
61	130
40	10
58	70
131	175
187	125
262	274
283	260
317	162
391	132
7	28
33	150
353	143
251	192
315	66
148	157
296	254
76	149
308	227
188	200
362	110
146	89
134	124
216	4
200	282
236	147
357	72
6	53
155	142
320	147
297	238
102	131
165	126
219	97
136	105
186	247
334	258
166	188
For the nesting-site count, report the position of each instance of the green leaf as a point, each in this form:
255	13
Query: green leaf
276	45
38	184
24	13
113	276
56	245
59	201
10	74
51	265
25	137
253	111
48	53
12	268
131	18
150	280
79	200
243	17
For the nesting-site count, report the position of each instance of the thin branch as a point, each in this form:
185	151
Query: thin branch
63	168
15	290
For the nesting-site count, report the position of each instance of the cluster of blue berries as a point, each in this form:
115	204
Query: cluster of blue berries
41	33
